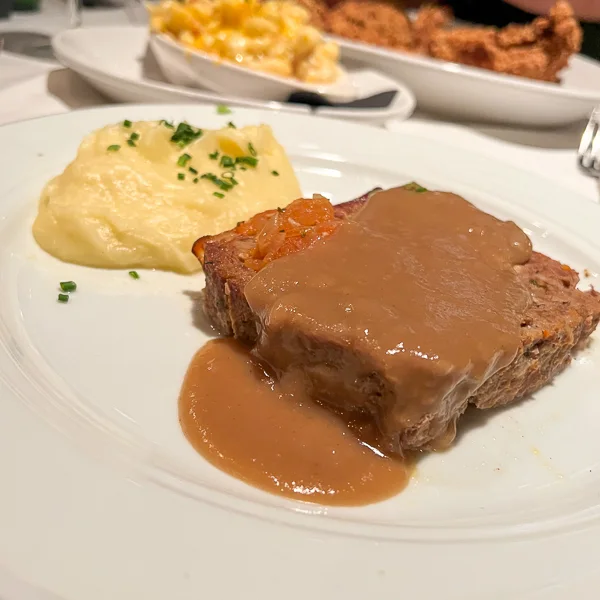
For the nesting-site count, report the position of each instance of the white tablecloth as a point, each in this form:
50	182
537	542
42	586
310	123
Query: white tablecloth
31	88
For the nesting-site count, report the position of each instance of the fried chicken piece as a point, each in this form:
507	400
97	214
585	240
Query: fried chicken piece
318	10
538	50
428	21
372	22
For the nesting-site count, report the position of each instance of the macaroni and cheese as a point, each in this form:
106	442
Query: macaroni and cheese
272	36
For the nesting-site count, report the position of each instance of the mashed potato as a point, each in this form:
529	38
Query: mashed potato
140	194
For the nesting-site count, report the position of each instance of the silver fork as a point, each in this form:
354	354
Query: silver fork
588	155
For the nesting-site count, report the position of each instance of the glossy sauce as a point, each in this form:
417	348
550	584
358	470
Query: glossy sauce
402	313
395	320
270	434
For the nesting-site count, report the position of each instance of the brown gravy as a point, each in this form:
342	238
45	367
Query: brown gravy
403	313
271	435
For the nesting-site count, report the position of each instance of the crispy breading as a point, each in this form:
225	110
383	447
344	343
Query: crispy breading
373	22
318	12
428	21
539	50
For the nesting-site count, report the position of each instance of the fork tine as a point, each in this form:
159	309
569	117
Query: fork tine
588	154
595	150
584	145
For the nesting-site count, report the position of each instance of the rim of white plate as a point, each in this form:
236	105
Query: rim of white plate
436	64
587	216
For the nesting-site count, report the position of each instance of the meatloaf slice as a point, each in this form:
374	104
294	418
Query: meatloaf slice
224	300
559	320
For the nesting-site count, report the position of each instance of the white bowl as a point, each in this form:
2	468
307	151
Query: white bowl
473	94
186	66
115	60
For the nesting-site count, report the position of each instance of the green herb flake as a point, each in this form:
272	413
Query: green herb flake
134	136
227	162
167	124
127	123
180	176
279	209
218	195
224	185
214	155
251	149
63	298
229	176
303	234
231	125
113	148
223	110
68	286
183	160
196	180
134	275
247	160
415	187
131	143
275	173
185	134
239	223
193	171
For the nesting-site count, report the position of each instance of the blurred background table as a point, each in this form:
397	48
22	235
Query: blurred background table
32	86
26	37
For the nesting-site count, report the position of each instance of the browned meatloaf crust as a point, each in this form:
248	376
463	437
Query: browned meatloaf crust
559	320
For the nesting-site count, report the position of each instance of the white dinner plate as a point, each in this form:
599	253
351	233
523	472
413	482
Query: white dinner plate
468	93
183	65
103	498
115	61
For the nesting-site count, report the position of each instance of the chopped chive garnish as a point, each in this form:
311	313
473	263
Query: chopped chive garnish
180	176
251	149
183	160
230	124
167	124
243	169
127	123
113	148
68	286
224	185
218	195
227	162
131	143
196	180
192	170
214	155
247	160
185	134
276	173
134	136
223	110
414	187
63	297
134	275
228	175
